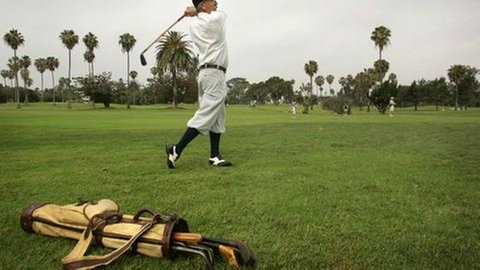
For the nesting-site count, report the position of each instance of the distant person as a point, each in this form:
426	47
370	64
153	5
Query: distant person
293	110
345	109
392	106
208	33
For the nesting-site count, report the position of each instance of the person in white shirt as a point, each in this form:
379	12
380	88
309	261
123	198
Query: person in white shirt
293	110
392	106
208	33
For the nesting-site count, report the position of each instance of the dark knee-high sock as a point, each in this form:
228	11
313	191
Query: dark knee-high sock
214	144
189	135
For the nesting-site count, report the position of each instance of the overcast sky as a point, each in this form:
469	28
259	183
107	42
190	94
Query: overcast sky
266	38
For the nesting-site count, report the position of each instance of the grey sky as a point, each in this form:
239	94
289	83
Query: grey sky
265	37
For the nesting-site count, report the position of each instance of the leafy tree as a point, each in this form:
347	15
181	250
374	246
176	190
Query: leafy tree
14	39
41	65
438	92
277	88
99	88
69	40
257	92
174	55
381	94
416	92
363	82
381	38
347	84
52	65
237	87
465	83
127	42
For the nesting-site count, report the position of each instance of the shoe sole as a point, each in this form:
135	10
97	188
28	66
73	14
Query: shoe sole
225	164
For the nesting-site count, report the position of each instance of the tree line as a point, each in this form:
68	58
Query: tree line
173	80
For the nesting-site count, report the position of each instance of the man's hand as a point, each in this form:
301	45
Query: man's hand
191	11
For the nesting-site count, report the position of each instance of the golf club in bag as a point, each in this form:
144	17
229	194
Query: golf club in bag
142	57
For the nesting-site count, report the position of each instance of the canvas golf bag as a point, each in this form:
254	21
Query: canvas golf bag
147	232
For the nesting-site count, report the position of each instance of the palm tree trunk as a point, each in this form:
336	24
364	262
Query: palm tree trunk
174	77
128	80
311	90
17	91
69	105
456	96
380	53
93	70
53	88
26	92
42	86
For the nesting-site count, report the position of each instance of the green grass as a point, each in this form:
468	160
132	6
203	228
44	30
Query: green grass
321	191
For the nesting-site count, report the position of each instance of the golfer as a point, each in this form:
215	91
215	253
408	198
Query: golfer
208	32
392	106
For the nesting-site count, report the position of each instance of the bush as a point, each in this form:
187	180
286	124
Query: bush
337	103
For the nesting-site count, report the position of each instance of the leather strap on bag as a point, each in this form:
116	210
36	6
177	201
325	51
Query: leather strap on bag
76	259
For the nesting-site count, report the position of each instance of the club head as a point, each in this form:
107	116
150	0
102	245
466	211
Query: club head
246	255
143	60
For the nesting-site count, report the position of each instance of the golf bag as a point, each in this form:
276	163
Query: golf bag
159	235
102	221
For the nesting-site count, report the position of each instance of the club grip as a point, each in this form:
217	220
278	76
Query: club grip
191	238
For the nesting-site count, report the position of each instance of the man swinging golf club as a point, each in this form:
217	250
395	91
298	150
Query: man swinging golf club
208	32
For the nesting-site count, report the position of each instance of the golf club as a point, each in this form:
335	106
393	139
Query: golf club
205	256
247	257
230	253
142	58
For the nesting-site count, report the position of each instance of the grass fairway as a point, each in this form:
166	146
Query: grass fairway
321	191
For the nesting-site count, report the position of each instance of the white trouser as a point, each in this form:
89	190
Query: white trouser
212	93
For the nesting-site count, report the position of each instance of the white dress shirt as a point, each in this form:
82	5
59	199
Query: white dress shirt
208	33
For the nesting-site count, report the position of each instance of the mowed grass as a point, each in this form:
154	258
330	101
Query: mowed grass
321	191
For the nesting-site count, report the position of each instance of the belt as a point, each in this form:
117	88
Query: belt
207	65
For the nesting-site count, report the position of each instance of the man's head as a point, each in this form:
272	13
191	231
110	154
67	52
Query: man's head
206	6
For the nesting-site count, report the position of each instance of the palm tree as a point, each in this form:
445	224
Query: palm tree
330	78
311	69
319	81
133	74
14	65
457	74
25	74
14	39
174	55
89	56
127	41
4	74
91	42
41	65
381	37
69	40
381	68
25	63
52	64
